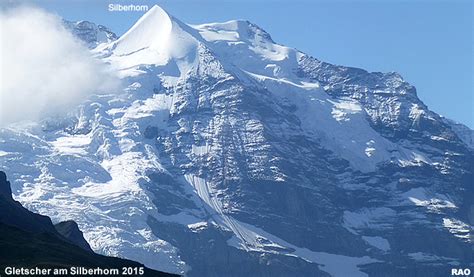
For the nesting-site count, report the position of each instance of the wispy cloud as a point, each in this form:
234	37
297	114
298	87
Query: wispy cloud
45	71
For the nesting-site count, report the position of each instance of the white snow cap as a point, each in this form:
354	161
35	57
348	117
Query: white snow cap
155	38
152	30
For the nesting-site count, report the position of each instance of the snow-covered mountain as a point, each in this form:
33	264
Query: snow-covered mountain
228	154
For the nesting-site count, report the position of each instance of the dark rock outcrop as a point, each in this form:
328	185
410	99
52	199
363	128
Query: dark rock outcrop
70	230
5	189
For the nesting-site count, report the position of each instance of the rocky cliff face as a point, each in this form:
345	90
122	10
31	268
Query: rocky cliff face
229	154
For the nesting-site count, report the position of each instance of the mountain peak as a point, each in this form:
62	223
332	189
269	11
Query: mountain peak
156	38
156	10
152	30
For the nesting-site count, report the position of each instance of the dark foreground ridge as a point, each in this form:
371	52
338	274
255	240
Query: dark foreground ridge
29	241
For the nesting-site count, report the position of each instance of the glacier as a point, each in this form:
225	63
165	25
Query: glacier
228	154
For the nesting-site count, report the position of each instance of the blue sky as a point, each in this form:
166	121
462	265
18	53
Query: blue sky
430	43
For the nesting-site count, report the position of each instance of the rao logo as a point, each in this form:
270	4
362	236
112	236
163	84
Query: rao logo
460	272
